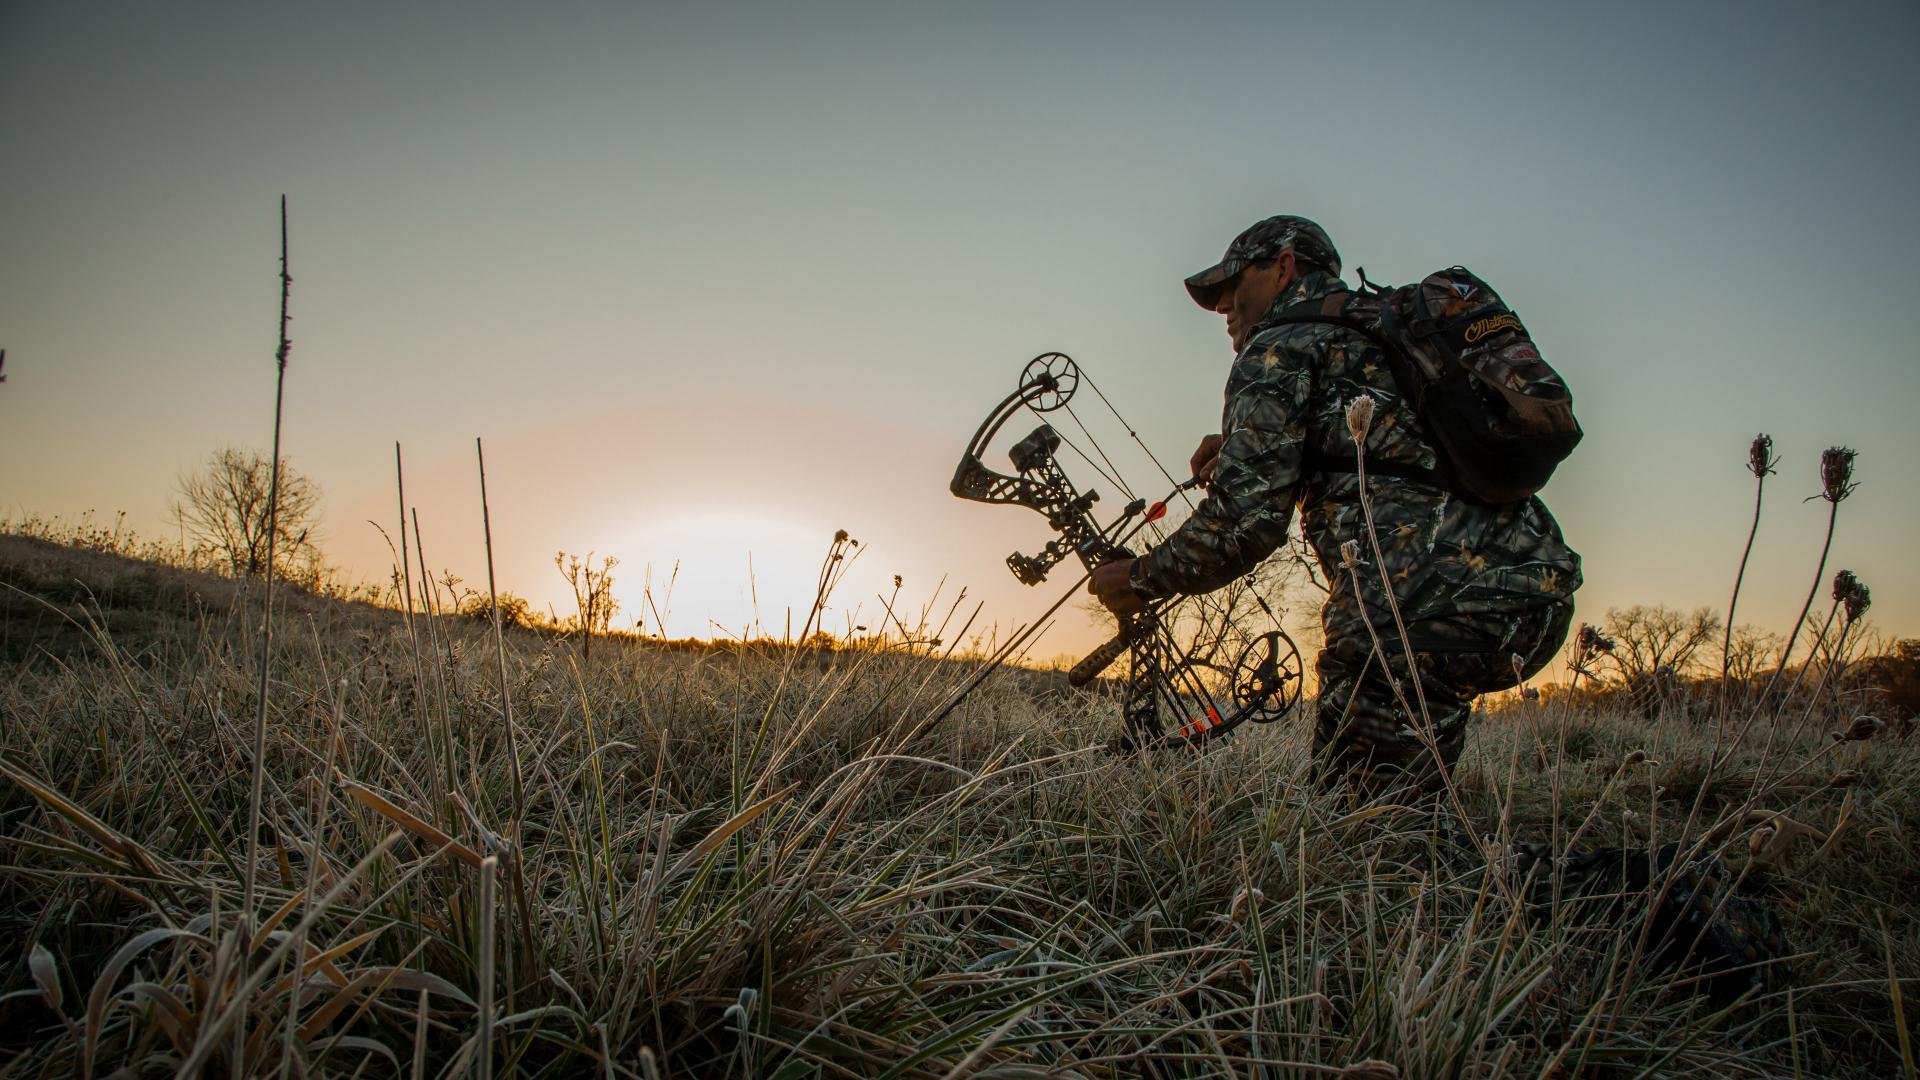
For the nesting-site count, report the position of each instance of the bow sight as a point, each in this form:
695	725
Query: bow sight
1263	682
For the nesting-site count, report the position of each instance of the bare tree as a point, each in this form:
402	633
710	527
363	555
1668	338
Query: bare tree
592	594
1648	639
225	506
1751	652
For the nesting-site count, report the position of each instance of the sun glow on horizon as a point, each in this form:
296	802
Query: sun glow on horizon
724	574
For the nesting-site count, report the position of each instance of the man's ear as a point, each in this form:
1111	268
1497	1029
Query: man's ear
1287	268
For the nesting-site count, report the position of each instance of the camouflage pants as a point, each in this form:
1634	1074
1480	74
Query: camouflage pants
1362	733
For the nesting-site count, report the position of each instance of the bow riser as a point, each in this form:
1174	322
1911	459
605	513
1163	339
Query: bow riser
1157	674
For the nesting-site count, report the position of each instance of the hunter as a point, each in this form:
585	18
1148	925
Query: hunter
1485	590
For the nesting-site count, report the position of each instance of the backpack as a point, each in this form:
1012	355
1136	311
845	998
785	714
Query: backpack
1499	417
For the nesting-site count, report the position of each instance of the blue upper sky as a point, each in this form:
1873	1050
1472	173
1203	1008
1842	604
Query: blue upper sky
718	279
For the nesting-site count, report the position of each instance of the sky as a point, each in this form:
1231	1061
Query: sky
713	281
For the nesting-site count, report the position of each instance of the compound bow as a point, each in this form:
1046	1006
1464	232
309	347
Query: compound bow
1264	681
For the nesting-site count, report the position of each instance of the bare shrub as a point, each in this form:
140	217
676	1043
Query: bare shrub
1895	677
592	594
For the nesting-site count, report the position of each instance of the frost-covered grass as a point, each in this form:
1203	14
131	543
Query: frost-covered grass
753	862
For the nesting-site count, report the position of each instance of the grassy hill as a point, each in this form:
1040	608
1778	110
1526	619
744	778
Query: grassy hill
754	862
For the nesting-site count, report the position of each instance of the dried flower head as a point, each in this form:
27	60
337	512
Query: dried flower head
1760	459
1638	757
1848	590
1529	693
896	581
1862	728
1836	473
1359	418
1519	666
840	536
1350	554
1843	585
1858	601
1593	641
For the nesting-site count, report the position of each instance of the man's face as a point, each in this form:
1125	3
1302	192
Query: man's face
1247	295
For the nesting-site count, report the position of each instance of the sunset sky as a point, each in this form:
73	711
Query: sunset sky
714	281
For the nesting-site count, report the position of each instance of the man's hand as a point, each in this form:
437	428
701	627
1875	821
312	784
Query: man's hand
1113	585
1206	458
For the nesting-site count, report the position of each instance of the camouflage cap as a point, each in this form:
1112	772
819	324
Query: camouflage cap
1264	240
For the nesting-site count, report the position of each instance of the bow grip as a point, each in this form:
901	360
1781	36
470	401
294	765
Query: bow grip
1099	660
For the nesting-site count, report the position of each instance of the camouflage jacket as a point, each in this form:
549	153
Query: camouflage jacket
1286	445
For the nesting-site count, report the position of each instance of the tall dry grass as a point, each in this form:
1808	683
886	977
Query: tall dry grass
744	862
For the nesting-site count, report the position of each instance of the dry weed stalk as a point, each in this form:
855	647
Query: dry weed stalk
1760	462
244	949
523	916
1359	421
442	810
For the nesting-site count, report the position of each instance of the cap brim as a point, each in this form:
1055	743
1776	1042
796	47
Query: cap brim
1204	286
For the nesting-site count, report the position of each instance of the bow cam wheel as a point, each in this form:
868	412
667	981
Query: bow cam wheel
1049	381
1267	677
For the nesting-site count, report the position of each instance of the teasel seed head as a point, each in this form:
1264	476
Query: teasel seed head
1359	418
1760	459
1836	473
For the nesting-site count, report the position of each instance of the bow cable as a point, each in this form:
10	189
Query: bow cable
1135	436
1182	488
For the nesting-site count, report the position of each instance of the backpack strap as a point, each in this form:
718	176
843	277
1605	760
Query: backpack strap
1400	470
1328	313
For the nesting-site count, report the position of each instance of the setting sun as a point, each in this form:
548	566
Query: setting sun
739	574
